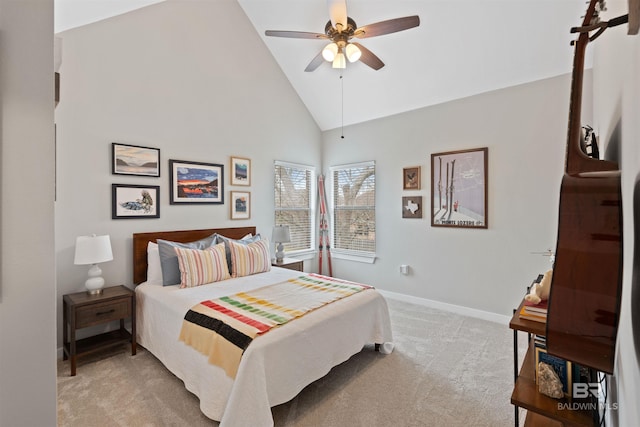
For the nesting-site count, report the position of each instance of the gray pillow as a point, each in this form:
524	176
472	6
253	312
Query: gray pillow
169	260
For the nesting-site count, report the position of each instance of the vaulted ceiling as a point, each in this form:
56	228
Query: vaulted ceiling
461	48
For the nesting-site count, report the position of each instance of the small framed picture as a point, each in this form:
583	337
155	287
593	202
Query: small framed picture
135	201
240	171
411	178
412	207
196	182
134	160
240	205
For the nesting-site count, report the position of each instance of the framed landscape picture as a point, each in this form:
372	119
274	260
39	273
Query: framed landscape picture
134	160
196	182
135	201
240	171
459	188
240	205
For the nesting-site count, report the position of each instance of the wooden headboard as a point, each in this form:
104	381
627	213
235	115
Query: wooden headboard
141	240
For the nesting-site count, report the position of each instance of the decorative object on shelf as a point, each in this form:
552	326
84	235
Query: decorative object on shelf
280	235
411	178
240	205
92	250
135	201
412	207
196	182
134	160
240	171
548	381
459	188
540	290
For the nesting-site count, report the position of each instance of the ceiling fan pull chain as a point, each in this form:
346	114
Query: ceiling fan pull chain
342	105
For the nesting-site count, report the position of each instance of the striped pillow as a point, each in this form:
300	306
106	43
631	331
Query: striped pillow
198	267
249	258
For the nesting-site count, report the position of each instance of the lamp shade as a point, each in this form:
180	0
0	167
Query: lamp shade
92	250
281	234
353	52
339	61
330	51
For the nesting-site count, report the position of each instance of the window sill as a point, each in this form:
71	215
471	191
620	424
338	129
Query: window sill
366	258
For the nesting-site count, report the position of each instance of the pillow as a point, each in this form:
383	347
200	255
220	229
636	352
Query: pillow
198	267
250	258
154	270
169	259
244	241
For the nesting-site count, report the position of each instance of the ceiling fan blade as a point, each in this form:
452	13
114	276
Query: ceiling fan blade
315	63
369	58
338	12
295	34
387	27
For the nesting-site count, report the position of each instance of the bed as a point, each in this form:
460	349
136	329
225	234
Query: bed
276	366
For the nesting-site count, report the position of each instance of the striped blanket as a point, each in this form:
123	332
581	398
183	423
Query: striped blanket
223	328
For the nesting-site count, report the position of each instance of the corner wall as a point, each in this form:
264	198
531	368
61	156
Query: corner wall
616	111
27	269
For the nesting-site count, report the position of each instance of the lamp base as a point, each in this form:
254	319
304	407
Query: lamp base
95	282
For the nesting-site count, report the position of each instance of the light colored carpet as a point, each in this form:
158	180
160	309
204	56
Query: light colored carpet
446	370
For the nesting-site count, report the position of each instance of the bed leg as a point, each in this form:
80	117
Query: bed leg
377	347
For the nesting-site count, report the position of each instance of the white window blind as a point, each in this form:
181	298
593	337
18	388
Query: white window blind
295	189
354	213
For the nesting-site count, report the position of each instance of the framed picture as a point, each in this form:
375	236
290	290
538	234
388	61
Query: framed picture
135	201
459	188
240	171
134	160
195	182
240	205
411	178
412	207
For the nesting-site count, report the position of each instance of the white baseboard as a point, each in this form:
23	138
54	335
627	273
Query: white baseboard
458	309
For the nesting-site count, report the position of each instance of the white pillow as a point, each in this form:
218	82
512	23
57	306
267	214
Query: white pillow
154	269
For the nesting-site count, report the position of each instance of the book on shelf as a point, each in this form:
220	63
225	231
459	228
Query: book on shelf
563	368
539	308
536	317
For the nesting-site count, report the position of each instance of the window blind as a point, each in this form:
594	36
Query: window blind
354	215
295	188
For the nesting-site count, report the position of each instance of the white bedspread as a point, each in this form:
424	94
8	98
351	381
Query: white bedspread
276	366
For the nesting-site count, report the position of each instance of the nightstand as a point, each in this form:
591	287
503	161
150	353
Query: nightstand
290	263
81	310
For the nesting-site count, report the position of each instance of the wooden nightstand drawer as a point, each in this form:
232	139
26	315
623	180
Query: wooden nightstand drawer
290	263
100	313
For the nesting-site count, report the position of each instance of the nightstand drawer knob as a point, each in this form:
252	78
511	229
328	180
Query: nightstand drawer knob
100	313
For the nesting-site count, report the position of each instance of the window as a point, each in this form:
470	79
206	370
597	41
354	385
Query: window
354	214
295	192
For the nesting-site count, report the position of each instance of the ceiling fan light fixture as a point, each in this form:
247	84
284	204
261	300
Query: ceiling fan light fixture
353	52
339	61
330	51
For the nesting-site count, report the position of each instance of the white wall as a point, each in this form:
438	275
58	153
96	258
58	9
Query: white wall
168	76
27	269
616	111
524	128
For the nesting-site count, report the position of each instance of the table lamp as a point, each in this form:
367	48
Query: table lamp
91	250
279	236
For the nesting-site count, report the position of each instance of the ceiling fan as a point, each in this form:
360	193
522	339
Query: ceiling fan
340	30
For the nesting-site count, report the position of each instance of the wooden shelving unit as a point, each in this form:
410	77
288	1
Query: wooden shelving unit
541	409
